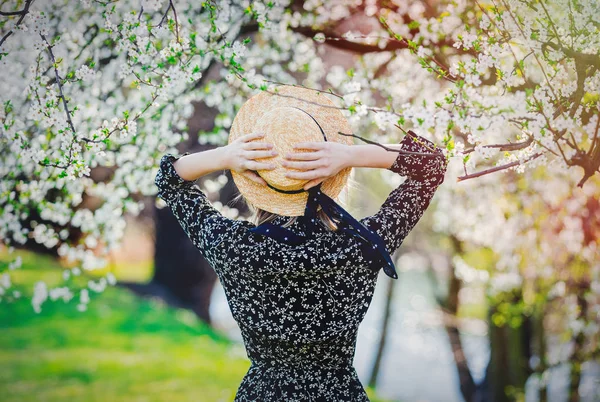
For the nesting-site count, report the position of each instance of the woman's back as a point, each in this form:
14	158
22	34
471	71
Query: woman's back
298	308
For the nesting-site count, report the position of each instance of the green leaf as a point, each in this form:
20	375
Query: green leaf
414	24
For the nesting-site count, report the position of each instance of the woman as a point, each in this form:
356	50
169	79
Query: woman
299	285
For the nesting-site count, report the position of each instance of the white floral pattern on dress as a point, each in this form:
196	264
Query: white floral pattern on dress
299	307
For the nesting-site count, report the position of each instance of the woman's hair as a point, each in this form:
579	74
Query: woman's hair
260	216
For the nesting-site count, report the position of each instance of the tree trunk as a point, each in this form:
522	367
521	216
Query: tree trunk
186	278
577	358
179	267
540	334
509	358
498	370
384	331
468	388
449	305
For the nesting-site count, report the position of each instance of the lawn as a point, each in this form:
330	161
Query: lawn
123	348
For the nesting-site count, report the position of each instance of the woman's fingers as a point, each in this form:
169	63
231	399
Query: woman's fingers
310	145
257	145
259	154
251	136
303	165
304	156
254	177
254	165
313	183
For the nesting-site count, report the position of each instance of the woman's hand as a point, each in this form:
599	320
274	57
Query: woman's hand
327	159
243	150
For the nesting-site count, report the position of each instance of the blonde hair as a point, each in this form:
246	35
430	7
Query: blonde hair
260	216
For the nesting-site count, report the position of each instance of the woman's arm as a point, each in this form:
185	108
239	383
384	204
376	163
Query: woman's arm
193	166
372	156
423	161
210	231
239	156
424	166
326	159
407	203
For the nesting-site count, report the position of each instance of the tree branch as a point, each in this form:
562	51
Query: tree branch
344	44
61	95
497	168
507	147
22	13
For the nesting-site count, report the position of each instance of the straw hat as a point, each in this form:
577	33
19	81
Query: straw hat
292	115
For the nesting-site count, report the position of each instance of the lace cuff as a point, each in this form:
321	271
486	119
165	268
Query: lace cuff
423	168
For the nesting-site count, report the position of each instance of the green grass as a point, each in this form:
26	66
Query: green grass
123	348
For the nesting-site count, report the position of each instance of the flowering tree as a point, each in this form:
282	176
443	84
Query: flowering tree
104	87
540	279
95	91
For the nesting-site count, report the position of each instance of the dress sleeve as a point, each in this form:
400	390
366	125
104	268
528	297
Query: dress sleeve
210	231
406	204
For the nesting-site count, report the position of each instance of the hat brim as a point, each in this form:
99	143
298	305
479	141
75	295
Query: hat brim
328	116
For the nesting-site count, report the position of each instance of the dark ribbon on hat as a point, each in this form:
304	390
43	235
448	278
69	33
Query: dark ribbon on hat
373	245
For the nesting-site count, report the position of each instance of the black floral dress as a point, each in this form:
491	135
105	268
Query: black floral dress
299	307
